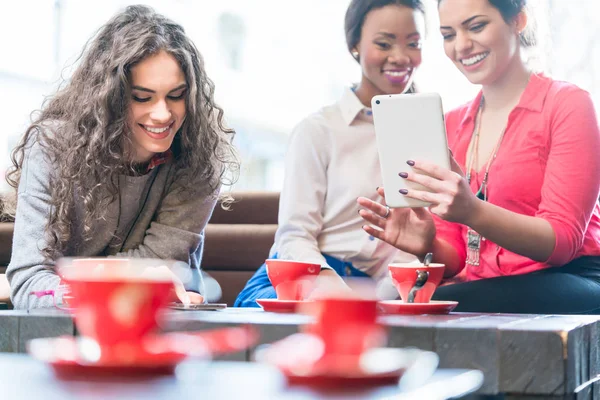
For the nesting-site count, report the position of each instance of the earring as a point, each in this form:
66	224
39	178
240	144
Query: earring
355	54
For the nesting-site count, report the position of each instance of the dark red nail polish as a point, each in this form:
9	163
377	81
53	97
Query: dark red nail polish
411	163
403	175
403	191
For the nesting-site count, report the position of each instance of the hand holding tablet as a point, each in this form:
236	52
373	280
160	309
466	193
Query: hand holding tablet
408	127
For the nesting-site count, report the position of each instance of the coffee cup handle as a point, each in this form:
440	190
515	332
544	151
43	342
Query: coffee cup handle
422	277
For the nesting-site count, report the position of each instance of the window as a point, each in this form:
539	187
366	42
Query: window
270	72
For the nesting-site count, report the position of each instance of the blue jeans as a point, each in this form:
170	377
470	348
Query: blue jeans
259	286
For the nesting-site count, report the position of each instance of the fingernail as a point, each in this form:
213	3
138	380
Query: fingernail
403	191
403	175
377	188
411	163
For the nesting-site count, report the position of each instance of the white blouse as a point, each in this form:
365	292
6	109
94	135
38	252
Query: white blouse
332	159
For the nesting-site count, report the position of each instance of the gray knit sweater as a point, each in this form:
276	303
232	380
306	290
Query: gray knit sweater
147	220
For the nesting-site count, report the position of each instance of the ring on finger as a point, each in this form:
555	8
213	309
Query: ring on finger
387	212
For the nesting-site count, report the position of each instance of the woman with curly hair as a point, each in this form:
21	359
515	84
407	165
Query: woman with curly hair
126	160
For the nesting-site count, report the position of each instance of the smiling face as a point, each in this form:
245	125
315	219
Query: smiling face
478	40
389	50
157	106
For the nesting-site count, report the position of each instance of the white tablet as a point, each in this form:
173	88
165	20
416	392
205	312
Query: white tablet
408	127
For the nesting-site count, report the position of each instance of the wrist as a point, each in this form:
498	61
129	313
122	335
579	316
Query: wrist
474	215
431	248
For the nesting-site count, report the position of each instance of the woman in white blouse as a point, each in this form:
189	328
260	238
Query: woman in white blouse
332	157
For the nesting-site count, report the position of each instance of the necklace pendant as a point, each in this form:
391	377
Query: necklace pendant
473	247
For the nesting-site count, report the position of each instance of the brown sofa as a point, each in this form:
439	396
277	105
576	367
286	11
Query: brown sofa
6	232
237	240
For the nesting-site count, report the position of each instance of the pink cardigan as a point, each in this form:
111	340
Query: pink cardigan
548	166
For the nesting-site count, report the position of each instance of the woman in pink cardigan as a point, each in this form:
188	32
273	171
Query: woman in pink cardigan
518	215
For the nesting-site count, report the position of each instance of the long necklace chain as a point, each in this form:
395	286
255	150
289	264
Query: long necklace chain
474	239
474	154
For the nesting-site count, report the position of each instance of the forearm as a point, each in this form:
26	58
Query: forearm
300	249
296	239
444	253
33	279
532	237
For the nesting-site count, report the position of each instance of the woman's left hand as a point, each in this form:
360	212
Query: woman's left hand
180	293
451	197
195	298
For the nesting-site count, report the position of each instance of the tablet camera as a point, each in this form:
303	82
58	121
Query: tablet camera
377	102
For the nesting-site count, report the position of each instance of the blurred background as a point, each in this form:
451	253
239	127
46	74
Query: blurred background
273	62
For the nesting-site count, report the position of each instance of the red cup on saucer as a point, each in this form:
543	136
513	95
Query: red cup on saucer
416	282
347	326
115	302
292	280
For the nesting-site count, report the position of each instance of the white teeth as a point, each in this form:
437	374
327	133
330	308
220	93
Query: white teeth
156	130
396	73
474	59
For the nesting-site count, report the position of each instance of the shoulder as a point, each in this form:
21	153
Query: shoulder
38	157
566	95
316	132
169	179
557	86
570	115
39	136
567	103
320	122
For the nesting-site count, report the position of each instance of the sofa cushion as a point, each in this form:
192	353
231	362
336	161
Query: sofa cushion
249	208
6	234
237	247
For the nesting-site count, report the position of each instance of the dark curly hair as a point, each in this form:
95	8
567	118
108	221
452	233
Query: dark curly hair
88	145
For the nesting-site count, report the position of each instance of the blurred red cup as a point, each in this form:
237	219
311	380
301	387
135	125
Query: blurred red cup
292	280
115	301
347	326
404	277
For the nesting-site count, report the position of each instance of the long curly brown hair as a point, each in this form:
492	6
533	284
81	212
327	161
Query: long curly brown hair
89	140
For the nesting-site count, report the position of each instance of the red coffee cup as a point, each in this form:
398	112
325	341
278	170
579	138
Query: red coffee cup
114	301
416	282
347	326
292	280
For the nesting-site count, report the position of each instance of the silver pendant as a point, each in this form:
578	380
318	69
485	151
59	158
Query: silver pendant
473	247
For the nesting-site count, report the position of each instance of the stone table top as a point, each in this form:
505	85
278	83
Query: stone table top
543	355
26	378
